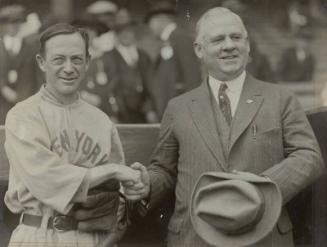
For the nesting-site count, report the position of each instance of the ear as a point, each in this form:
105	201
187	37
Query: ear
248	45
40	61
198	49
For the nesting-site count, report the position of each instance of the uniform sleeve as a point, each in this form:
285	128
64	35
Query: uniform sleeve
41	170
116	154
303	161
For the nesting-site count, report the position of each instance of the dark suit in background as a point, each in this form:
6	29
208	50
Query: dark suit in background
18	73
176	74
293	69
308	210
131	85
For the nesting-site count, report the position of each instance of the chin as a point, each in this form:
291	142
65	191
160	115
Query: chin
70	90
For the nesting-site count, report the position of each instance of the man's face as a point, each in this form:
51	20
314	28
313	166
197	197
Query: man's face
12	29
126	36
107	18
223	47
155	25
64	63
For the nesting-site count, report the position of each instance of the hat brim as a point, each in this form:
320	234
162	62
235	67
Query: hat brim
12	20
119	27
273	205
153	13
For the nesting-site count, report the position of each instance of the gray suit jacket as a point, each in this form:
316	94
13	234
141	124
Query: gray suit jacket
270	135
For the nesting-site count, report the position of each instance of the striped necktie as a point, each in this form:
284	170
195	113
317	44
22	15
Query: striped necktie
224	103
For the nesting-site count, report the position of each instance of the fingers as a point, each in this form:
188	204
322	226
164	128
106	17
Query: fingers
134	197
137	166
136	192
127	183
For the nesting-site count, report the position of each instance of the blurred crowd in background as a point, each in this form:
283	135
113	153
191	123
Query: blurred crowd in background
140	61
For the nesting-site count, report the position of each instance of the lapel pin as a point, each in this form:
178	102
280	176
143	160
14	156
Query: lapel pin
249	101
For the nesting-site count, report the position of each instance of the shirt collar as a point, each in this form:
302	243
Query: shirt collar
50	97
234	85
129	53
166	32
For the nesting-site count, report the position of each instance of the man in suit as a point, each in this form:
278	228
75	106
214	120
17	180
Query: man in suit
297	63
18	75
104	11
128	69
231	122
177	70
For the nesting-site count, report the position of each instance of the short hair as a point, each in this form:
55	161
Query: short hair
59	29
217	11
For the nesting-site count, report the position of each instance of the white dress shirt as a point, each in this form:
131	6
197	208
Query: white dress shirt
233	91
166	32
12	44
129	54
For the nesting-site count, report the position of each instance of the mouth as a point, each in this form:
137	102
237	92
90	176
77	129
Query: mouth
68	79
228	57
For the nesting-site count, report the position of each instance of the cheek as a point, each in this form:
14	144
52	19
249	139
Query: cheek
81	70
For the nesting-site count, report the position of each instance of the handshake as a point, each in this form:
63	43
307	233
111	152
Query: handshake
135	181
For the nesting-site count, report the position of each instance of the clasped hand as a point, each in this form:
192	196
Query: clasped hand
136	182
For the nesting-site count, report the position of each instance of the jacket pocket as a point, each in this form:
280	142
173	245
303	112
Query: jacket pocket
284	224
269	132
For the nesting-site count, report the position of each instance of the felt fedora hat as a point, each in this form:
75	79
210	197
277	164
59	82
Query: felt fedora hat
102	7
234	209
160	7
14	13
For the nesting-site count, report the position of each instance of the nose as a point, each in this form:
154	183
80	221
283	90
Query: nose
228	44
68	67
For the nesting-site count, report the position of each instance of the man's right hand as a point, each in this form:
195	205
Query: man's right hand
138	191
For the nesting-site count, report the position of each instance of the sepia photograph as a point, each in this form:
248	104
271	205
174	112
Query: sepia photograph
163	123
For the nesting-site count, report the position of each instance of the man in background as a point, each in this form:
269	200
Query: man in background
177	69
104	11
18	78
129	69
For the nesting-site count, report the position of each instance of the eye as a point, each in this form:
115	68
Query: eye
58	60
217	40
77	60
236	37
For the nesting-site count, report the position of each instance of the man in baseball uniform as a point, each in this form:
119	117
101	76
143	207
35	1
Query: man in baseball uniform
59	148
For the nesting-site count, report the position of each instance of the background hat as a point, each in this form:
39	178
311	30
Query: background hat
161	7
234	209
123	19
87	21
102	7
12	13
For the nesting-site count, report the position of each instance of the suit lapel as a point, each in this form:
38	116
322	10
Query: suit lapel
203	118
250	102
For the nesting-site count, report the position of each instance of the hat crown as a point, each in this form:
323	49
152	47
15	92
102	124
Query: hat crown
232	206
240	208
12	13
102	7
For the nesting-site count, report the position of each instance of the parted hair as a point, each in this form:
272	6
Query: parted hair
59	29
